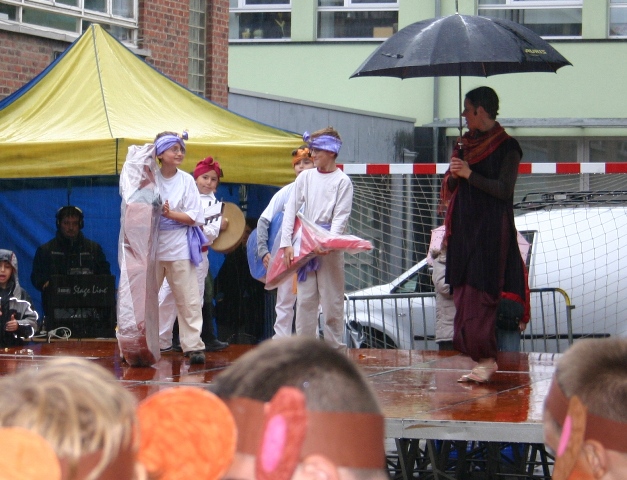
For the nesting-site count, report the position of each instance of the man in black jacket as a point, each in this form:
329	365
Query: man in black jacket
69	253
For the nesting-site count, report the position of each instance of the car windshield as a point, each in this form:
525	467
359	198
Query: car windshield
418	282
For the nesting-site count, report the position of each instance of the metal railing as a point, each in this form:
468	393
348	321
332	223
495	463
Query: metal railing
399	320
407	321
548	333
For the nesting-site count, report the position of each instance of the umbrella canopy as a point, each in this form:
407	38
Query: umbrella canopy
461	45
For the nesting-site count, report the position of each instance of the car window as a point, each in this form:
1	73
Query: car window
528	235
417	282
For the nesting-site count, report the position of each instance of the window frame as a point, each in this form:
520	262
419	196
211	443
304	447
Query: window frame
80	14
614	5
511	5
350	6
279	7
242	8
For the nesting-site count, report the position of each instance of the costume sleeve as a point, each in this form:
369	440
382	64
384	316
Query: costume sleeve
41	269
502	187
343	206
269	212
263	225
293	204
211	228
211	231
192	205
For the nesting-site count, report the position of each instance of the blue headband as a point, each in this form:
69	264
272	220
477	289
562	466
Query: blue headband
168	141
323	142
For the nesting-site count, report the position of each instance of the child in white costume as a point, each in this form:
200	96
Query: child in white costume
285	295
327	195
182	210
207	176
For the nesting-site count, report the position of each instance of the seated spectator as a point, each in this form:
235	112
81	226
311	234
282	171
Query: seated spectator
17	317
301	393
585	412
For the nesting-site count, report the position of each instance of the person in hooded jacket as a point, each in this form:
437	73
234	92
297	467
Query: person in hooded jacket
18	319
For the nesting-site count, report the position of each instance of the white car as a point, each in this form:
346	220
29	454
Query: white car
395	315
577	269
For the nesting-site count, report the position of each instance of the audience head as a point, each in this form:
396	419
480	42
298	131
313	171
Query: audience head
304	391
81	410
585	412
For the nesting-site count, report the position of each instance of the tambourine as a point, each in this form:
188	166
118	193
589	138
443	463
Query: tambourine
229	239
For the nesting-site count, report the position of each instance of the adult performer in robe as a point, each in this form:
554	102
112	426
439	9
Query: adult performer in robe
483	259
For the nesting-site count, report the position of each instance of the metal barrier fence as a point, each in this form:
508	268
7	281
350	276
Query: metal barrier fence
407	321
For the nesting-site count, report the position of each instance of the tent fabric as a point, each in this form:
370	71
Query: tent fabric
80	115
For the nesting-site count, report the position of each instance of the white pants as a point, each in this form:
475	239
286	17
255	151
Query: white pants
181	297
324	287
285	299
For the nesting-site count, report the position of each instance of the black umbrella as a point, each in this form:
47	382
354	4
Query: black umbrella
461	45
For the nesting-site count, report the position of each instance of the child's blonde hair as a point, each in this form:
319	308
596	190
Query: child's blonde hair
76	405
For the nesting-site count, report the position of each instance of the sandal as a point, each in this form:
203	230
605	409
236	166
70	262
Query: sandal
480	374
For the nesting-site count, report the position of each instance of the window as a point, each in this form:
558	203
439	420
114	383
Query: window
618	18
118	17
197	46
258	20
547	18
418	282
357	19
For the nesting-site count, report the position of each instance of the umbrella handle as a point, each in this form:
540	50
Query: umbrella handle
460	151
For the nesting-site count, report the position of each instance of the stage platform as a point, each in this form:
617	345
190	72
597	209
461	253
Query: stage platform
418	391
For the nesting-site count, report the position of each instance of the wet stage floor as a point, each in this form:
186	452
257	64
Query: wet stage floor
418	390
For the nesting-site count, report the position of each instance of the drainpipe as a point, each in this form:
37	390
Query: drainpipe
436	116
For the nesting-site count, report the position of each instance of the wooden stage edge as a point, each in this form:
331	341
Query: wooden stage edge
418	390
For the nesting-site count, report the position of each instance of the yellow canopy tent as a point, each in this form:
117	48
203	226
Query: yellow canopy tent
80	115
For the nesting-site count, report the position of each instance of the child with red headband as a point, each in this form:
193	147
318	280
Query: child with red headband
585	412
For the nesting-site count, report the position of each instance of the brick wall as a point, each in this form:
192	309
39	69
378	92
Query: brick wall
23	57
163	29
217	51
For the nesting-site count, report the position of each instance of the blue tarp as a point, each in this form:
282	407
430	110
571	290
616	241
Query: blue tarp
29	208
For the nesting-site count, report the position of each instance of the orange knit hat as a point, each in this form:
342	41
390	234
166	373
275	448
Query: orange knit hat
186	432
299	154
27	456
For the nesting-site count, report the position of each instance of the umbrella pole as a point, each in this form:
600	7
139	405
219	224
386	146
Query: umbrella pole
461	105
459	88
